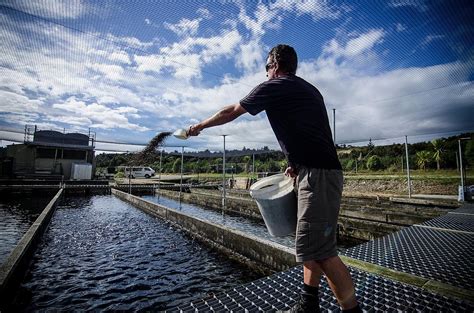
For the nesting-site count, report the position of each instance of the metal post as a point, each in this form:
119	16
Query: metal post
457	161
181	181
408	167
253	165
334	124
129	180
460	167
159	174
223	177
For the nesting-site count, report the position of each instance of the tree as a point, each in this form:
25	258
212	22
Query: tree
246	160
438	145
176	166
370	146
469	152
422	159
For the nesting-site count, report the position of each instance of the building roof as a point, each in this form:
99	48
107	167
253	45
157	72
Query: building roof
60	145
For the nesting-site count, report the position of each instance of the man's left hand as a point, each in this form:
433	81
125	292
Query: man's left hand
290	171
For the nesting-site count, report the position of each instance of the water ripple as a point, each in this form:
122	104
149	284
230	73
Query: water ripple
17	214
100	253
240	223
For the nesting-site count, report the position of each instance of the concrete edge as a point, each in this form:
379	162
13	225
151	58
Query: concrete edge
269	254
12	267
449	290
444	229
426	202
410	279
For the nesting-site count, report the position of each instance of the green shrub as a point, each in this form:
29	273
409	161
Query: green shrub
374	163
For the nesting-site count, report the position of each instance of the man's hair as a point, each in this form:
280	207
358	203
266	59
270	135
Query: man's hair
286	58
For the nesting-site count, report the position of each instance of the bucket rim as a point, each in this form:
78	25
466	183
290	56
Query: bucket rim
271	187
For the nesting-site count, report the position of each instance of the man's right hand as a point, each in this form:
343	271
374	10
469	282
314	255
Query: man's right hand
194	130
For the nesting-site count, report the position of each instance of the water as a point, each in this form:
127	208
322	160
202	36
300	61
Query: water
236	222
17	214
100	253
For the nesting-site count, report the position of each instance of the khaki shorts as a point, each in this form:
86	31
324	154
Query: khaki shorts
319	197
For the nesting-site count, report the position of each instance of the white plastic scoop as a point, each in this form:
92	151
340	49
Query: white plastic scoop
181	134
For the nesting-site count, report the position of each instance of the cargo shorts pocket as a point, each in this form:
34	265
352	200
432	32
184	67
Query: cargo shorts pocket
311	236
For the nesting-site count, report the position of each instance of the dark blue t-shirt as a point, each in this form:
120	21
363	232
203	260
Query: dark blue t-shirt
298	116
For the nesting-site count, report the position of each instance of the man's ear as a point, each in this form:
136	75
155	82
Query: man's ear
276	68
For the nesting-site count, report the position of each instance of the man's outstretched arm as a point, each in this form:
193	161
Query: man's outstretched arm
225	115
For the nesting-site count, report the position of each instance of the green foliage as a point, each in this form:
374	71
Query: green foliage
374	163
348	164
438	145
469	152
176	166
423	158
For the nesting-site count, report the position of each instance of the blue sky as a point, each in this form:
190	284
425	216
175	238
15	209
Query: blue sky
129	69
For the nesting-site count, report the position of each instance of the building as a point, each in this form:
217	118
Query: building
50	154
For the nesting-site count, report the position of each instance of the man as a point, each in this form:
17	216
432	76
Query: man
298	117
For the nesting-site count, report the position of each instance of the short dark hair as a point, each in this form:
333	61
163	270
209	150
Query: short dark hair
286	58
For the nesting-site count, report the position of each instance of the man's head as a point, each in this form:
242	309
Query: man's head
282	59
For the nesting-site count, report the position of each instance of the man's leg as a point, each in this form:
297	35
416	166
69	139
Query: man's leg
312	272
309	297
340	281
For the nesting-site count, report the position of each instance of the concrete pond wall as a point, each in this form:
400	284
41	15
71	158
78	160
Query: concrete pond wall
13	269
361	218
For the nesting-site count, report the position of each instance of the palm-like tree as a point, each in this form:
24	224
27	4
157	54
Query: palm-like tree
438	145
422	158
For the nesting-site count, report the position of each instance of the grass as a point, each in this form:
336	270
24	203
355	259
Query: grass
436	175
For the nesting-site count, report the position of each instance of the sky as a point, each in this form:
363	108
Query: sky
127	70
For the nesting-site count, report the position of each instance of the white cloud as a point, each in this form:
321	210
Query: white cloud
264	18
100	116
113	72
186	58
132	42
147	21
317	9
185	27
251	56
120	56
57	9
72	120
16	103
204	13
430	38
418	4
390	104
400	27
355	46
255	133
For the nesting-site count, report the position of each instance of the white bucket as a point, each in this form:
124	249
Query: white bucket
276	201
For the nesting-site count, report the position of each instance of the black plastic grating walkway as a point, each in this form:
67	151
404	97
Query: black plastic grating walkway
280	291
467	208
439	255
461	222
